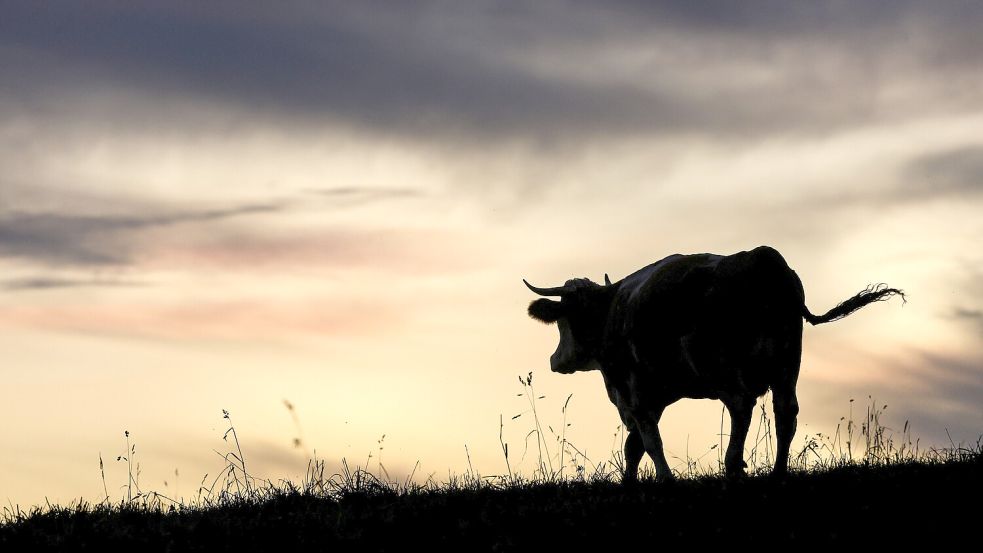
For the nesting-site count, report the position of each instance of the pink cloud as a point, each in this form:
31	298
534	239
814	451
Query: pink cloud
224	320
413	251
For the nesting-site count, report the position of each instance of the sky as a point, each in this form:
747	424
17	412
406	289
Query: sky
333	204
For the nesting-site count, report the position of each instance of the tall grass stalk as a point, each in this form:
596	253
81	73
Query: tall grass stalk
234	485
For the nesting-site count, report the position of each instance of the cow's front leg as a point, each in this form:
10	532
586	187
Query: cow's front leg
740	408
634	450
648	426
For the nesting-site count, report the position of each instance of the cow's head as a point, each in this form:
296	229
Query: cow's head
581	315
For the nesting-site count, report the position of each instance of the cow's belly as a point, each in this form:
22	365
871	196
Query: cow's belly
638	393
743	364
699	369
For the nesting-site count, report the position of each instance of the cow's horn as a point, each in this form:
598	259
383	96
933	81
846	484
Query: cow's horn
607	280
558	291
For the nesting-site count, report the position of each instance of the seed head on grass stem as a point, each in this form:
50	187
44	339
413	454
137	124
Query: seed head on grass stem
132	481
541	444
102	470
232	467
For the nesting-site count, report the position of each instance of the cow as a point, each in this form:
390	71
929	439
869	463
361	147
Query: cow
725	327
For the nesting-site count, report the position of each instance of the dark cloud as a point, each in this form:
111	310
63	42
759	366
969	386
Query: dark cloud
549	70
85	240
951	174
958	171
48	282
776	18
375	75
951	392
943	393
961	313
972	316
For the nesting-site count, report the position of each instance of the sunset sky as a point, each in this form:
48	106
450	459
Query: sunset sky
208	206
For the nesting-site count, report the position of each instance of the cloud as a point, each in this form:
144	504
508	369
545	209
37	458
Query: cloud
58	238
362	192
550	70
951	392
971	316
942	391
50	282
775	19
64	244
403	251
233	320
350	196
952	172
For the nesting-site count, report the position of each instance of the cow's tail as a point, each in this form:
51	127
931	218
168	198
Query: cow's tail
874	292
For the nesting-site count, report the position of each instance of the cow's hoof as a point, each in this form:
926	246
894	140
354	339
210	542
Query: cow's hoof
735	469
778	474
665	478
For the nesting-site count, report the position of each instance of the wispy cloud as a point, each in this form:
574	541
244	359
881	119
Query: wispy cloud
244	319
329	250
961	313
61	238
951	391
942	392
50	282
350	196
346	192
953	172
971	316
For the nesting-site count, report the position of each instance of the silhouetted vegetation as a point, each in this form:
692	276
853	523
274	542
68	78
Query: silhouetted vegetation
861	486
846	506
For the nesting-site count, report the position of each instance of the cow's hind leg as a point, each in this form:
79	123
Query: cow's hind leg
634	450
785	403
786	410
740	408
648	426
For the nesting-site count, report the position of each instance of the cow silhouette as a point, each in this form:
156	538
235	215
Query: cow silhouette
725	327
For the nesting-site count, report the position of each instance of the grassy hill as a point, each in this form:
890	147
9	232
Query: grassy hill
930	503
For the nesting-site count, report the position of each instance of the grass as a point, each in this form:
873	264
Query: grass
864	484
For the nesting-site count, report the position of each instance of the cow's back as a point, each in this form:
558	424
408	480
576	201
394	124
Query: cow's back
664	297
702	320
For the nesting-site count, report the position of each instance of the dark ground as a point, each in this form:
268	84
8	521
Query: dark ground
936	506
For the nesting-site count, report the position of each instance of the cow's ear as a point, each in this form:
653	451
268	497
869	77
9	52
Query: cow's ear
547	311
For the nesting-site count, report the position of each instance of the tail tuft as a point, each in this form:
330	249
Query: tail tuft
871	294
